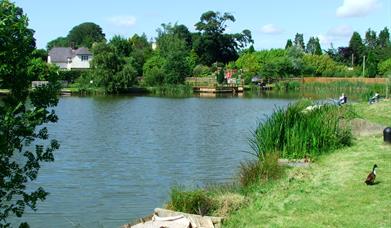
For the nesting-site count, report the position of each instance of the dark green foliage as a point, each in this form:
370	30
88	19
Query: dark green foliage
112	71
70	75
299	41
58	42
384	38
22	114
212	44
288	44
39	70
357	47
220	76
122	46
255	171
297	133
141	52
85	34
313	46
40	54
194	202
201	71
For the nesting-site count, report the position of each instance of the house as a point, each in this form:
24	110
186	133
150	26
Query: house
67	58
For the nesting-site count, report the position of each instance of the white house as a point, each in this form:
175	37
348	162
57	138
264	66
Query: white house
68	58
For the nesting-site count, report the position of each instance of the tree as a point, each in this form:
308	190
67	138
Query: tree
154	71
141	51
313	46
299	41
212	44
122	46
357	47
173	49
58	42
370	39
384	38
85	35
288	44
22	114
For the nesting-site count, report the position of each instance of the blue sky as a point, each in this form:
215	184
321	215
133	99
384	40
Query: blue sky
271	22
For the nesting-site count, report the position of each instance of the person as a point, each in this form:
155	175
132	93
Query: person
374	99
342	99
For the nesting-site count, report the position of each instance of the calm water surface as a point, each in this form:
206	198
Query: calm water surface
119	156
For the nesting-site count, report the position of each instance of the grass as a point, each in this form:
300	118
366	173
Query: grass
331	193
378	112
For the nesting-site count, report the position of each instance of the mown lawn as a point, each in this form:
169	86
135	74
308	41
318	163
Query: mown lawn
331	193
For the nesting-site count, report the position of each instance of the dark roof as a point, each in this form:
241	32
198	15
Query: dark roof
61	54
82	51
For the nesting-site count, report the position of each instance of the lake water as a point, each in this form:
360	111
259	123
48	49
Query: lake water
120	156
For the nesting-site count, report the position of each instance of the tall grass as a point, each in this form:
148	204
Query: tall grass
171	90
363	90
297	133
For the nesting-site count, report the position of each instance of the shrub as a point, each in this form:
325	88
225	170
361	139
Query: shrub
201	71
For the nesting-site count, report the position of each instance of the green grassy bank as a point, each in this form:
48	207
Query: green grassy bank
332	191
329	193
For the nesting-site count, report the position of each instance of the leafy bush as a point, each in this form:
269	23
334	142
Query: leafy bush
194	202
201	71
385	67
296	133
70	75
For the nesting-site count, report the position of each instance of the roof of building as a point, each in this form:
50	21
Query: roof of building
61	54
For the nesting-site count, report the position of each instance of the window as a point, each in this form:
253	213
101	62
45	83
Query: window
84	58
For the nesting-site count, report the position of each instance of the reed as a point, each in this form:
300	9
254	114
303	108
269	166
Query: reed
296	132
171	90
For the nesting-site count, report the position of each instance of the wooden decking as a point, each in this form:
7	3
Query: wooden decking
218	89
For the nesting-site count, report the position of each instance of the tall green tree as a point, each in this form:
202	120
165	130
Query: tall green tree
313	46
370	39
288	44
22	115
384	38
115	72
141	51
122	45
212	44
299	41
173	49
357	47
85	35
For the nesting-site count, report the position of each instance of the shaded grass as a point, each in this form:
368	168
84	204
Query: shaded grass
330	193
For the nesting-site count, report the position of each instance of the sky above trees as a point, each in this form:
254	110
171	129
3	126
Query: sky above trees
271	22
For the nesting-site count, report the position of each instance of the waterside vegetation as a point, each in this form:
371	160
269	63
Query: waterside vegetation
330	191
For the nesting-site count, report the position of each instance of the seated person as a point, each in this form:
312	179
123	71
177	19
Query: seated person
374	99
342	99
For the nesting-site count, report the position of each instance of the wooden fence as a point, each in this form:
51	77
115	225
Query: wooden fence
334	79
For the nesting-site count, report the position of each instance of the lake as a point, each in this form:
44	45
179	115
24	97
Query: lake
120	155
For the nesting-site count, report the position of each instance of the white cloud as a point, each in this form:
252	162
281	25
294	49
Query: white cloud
123	21
357	8
271	29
